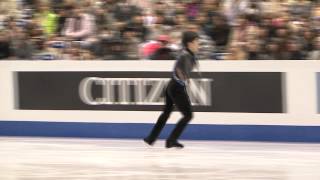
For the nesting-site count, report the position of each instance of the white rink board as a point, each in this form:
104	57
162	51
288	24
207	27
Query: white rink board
300	92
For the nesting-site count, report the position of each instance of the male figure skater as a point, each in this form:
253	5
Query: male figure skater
176	92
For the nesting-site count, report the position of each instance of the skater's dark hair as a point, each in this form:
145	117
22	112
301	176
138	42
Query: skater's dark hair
188	36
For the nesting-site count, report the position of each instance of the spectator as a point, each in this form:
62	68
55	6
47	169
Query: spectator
300	7
220	32
294	51
4	45
253	12
35	33
270	6
98	47
115	50
130	39
235	52
315	53
11	23
149	49
62	14
234	8
253	50
307	40
79	26
72	52
124	11
138	26
22	48
47	19
102	17
3	18
272	50
164	52
239	30
192	9
149	19
206	46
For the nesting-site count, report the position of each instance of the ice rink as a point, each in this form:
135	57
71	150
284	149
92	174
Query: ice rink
80	159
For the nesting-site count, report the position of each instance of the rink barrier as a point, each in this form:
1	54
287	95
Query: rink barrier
277	101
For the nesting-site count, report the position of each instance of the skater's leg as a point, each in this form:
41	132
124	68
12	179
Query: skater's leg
184	106
161	120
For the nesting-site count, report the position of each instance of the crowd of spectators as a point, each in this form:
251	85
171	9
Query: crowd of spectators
151	29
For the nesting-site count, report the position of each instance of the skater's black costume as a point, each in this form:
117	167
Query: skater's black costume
176	93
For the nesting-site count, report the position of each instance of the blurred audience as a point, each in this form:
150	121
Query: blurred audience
151	29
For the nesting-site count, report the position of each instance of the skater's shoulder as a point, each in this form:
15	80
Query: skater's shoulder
184	55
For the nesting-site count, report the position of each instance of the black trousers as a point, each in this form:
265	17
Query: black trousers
175	94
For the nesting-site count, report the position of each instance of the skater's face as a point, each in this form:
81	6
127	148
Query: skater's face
194	46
